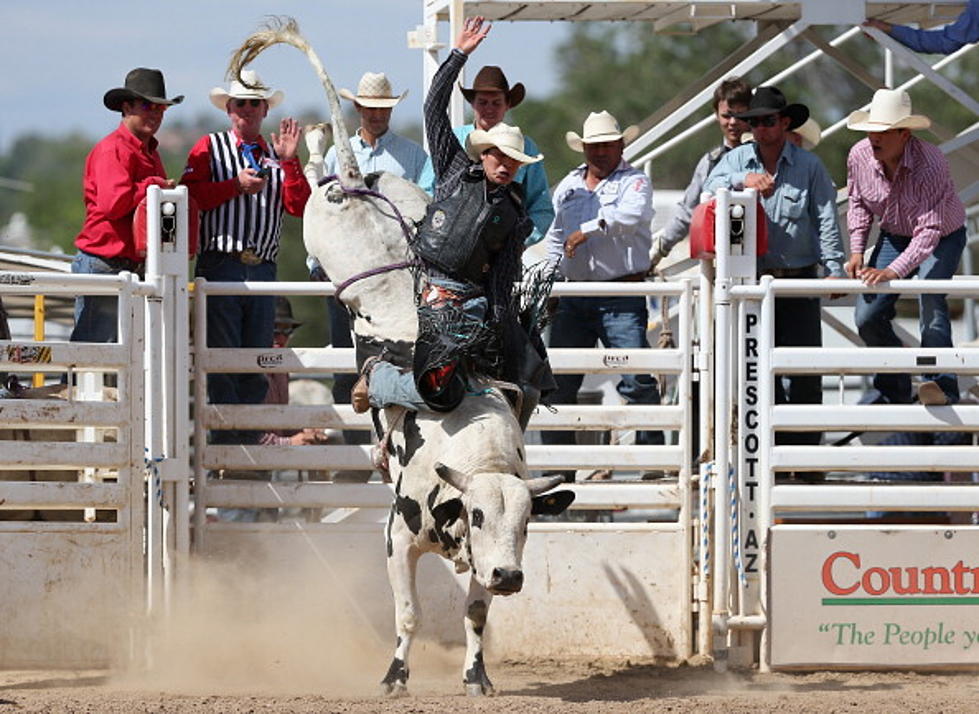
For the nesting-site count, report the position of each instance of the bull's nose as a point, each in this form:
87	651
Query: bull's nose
505	580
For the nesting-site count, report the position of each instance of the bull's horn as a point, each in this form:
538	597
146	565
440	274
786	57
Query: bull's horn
542	484
453	477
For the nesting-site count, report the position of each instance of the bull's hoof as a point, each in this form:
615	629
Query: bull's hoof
394	689
480	689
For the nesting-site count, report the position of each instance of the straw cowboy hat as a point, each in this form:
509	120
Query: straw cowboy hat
141	83
491	79
889	109
238	90
506	138
374	90
599	127
766	101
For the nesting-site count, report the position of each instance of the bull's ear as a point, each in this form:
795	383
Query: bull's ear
551	504
451	476
542	484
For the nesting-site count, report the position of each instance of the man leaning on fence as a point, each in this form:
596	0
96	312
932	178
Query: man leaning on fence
601	231
905	182
242	184
118	171
803	231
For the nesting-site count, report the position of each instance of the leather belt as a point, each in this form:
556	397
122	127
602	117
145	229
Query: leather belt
631	278
806	271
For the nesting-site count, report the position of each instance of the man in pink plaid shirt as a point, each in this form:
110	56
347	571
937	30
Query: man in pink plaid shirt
905	182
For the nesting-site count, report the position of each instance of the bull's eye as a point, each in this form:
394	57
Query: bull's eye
477	518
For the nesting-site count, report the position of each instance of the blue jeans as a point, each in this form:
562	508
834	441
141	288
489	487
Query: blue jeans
237	321
97	316
390	385
874	313
619	323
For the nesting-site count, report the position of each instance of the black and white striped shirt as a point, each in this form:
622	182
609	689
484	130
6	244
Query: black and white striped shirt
247	221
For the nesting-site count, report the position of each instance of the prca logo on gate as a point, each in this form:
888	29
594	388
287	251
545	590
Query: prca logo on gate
615	360
269	360
852	581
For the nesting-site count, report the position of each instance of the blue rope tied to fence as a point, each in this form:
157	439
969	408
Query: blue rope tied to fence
704	520
150	467
736	529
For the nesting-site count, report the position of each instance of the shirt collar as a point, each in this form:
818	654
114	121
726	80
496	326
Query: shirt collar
581	169
382	140
788	154
260	141
129	138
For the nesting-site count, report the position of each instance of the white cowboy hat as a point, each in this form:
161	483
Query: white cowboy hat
506	138
237	90
811	134
889	109
374	90
599	127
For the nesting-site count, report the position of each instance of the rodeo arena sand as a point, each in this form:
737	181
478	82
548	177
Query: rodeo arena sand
663	601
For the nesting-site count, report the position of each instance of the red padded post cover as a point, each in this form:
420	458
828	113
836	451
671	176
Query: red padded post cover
193	227
702	231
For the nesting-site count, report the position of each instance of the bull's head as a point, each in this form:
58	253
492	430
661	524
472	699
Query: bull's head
499	506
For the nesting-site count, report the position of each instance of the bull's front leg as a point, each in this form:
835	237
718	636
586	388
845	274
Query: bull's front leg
474	670
402	565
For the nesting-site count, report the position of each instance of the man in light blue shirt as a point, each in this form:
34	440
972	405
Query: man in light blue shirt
943	41
491	96
803	231
376	148
603	210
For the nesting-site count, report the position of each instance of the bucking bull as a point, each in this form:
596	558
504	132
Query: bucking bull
474	512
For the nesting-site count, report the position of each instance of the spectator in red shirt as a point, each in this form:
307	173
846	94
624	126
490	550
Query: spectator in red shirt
242	185
117	173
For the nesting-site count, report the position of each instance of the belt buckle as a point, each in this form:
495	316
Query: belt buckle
249	257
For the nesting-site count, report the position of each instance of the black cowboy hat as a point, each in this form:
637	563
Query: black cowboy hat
283	312
766	101
141	83
491	79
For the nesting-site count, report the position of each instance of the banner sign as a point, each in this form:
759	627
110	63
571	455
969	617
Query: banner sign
874	596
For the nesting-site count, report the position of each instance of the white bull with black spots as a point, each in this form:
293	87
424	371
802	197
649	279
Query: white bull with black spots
474	511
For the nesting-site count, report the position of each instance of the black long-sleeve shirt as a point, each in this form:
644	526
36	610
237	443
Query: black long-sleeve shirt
449	158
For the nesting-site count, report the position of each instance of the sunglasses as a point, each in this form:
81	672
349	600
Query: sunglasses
150	106
770	120
254	102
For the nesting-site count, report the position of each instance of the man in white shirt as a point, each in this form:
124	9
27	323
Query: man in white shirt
601	231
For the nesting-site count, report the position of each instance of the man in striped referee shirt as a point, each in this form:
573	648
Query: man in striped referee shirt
905	183
242	184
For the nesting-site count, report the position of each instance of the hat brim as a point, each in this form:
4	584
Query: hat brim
219	97
475	149
860	121
797	114
372	102
577	143
514	96
114	98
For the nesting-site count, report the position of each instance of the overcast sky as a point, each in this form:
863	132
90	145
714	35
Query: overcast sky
61	56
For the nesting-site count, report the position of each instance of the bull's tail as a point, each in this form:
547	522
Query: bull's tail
285	30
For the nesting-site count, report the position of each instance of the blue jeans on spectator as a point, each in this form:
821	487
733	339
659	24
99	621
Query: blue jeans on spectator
798	323
97	316
237	321
619	323
875	312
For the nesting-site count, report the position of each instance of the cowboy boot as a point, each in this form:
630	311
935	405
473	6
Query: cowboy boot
360	394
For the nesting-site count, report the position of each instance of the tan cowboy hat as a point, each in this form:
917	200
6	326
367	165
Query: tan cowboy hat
374	90
491	79
237	90
506	138
811	134
889	109
599	127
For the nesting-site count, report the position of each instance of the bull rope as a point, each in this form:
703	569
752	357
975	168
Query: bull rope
380	270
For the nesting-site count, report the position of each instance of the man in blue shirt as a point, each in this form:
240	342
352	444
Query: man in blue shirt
376	148
491	96
803	231
943	41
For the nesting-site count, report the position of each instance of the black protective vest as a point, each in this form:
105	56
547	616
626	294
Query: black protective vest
462	233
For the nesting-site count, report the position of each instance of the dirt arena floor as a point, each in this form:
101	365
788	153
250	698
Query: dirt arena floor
523	687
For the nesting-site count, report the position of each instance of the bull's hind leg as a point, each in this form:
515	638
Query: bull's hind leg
402	565
474	670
